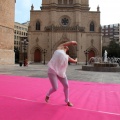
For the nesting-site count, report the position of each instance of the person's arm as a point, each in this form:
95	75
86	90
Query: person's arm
72	60
68	43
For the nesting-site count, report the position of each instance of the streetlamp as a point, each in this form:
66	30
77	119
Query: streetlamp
44	51
86	54
24	46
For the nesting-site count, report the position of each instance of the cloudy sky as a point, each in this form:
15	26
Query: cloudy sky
109	10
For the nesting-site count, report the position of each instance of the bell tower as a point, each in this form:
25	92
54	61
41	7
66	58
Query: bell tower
77	1
85	2
45	2
7	11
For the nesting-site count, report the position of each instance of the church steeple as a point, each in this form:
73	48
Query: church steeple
98	8
32	7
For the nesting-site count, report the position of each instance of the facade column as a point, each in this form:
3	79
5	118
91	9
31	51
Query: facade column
51	40
78	44
77	23
52	21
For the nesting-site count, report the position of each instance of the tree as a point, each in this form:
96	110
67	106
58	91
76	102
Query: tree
113	49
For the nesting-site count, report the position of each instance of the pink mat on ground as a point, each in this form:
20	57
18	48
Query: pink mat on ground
22	98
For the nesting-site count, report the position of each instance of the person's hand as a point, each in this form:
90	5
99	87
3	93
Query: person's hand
76	59
72	60
74	42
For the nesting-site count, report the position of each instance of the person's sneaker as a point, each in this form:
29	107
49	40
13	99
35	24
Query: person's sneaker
69	104
46	98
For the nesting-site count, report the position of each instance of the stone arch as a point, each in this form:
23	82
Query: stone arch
36	53
95	25
93	52
62	40
92	27
38	24
35	47
72	49
38	20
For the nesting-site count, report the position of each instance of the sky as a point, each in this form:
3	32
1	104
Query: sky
109	10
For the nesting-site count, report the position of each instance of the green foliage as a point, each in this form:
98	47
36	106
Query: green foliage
113	49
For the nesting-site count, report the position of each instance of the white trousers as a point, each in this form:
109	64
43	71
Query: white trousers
54	82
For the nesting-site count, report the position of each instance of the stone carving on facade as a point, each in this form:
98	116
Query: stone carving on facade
98	9
92	42
64	36
32	7
62	40
37	40
62	28
93	48
34	48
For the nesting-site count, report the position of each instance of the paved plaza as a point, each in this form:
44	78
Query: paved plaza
74	72
23	97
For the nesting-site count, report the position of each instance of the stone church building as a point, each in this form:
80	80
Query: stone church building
7	12
60	21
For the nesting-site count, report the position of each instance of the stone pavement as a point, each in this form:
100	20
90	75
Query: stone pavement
74	72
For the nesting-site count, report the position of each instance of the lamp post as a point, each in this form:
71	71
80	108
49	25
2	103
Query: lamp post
44	51
86	54
24	46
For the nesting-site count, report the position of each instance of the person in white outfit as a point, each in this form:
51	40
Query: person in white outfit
57	70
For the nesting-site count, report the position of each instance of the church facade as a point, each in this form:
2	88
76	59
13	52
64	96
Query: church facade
7	12
60	21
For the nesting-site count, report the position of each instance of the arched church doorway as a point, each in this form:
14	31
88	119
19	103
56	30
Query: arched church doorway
91	54
37	56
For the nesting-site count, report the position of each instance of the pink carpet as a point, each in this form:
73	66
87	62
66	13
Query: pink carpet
22	98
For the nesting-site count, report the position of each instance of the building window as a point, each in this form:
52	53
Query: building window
65	21
59	1
70	1
37	25
65	2
92	27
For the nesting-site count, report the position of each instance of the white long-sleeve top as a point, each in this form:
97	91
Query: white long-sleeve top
58	63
